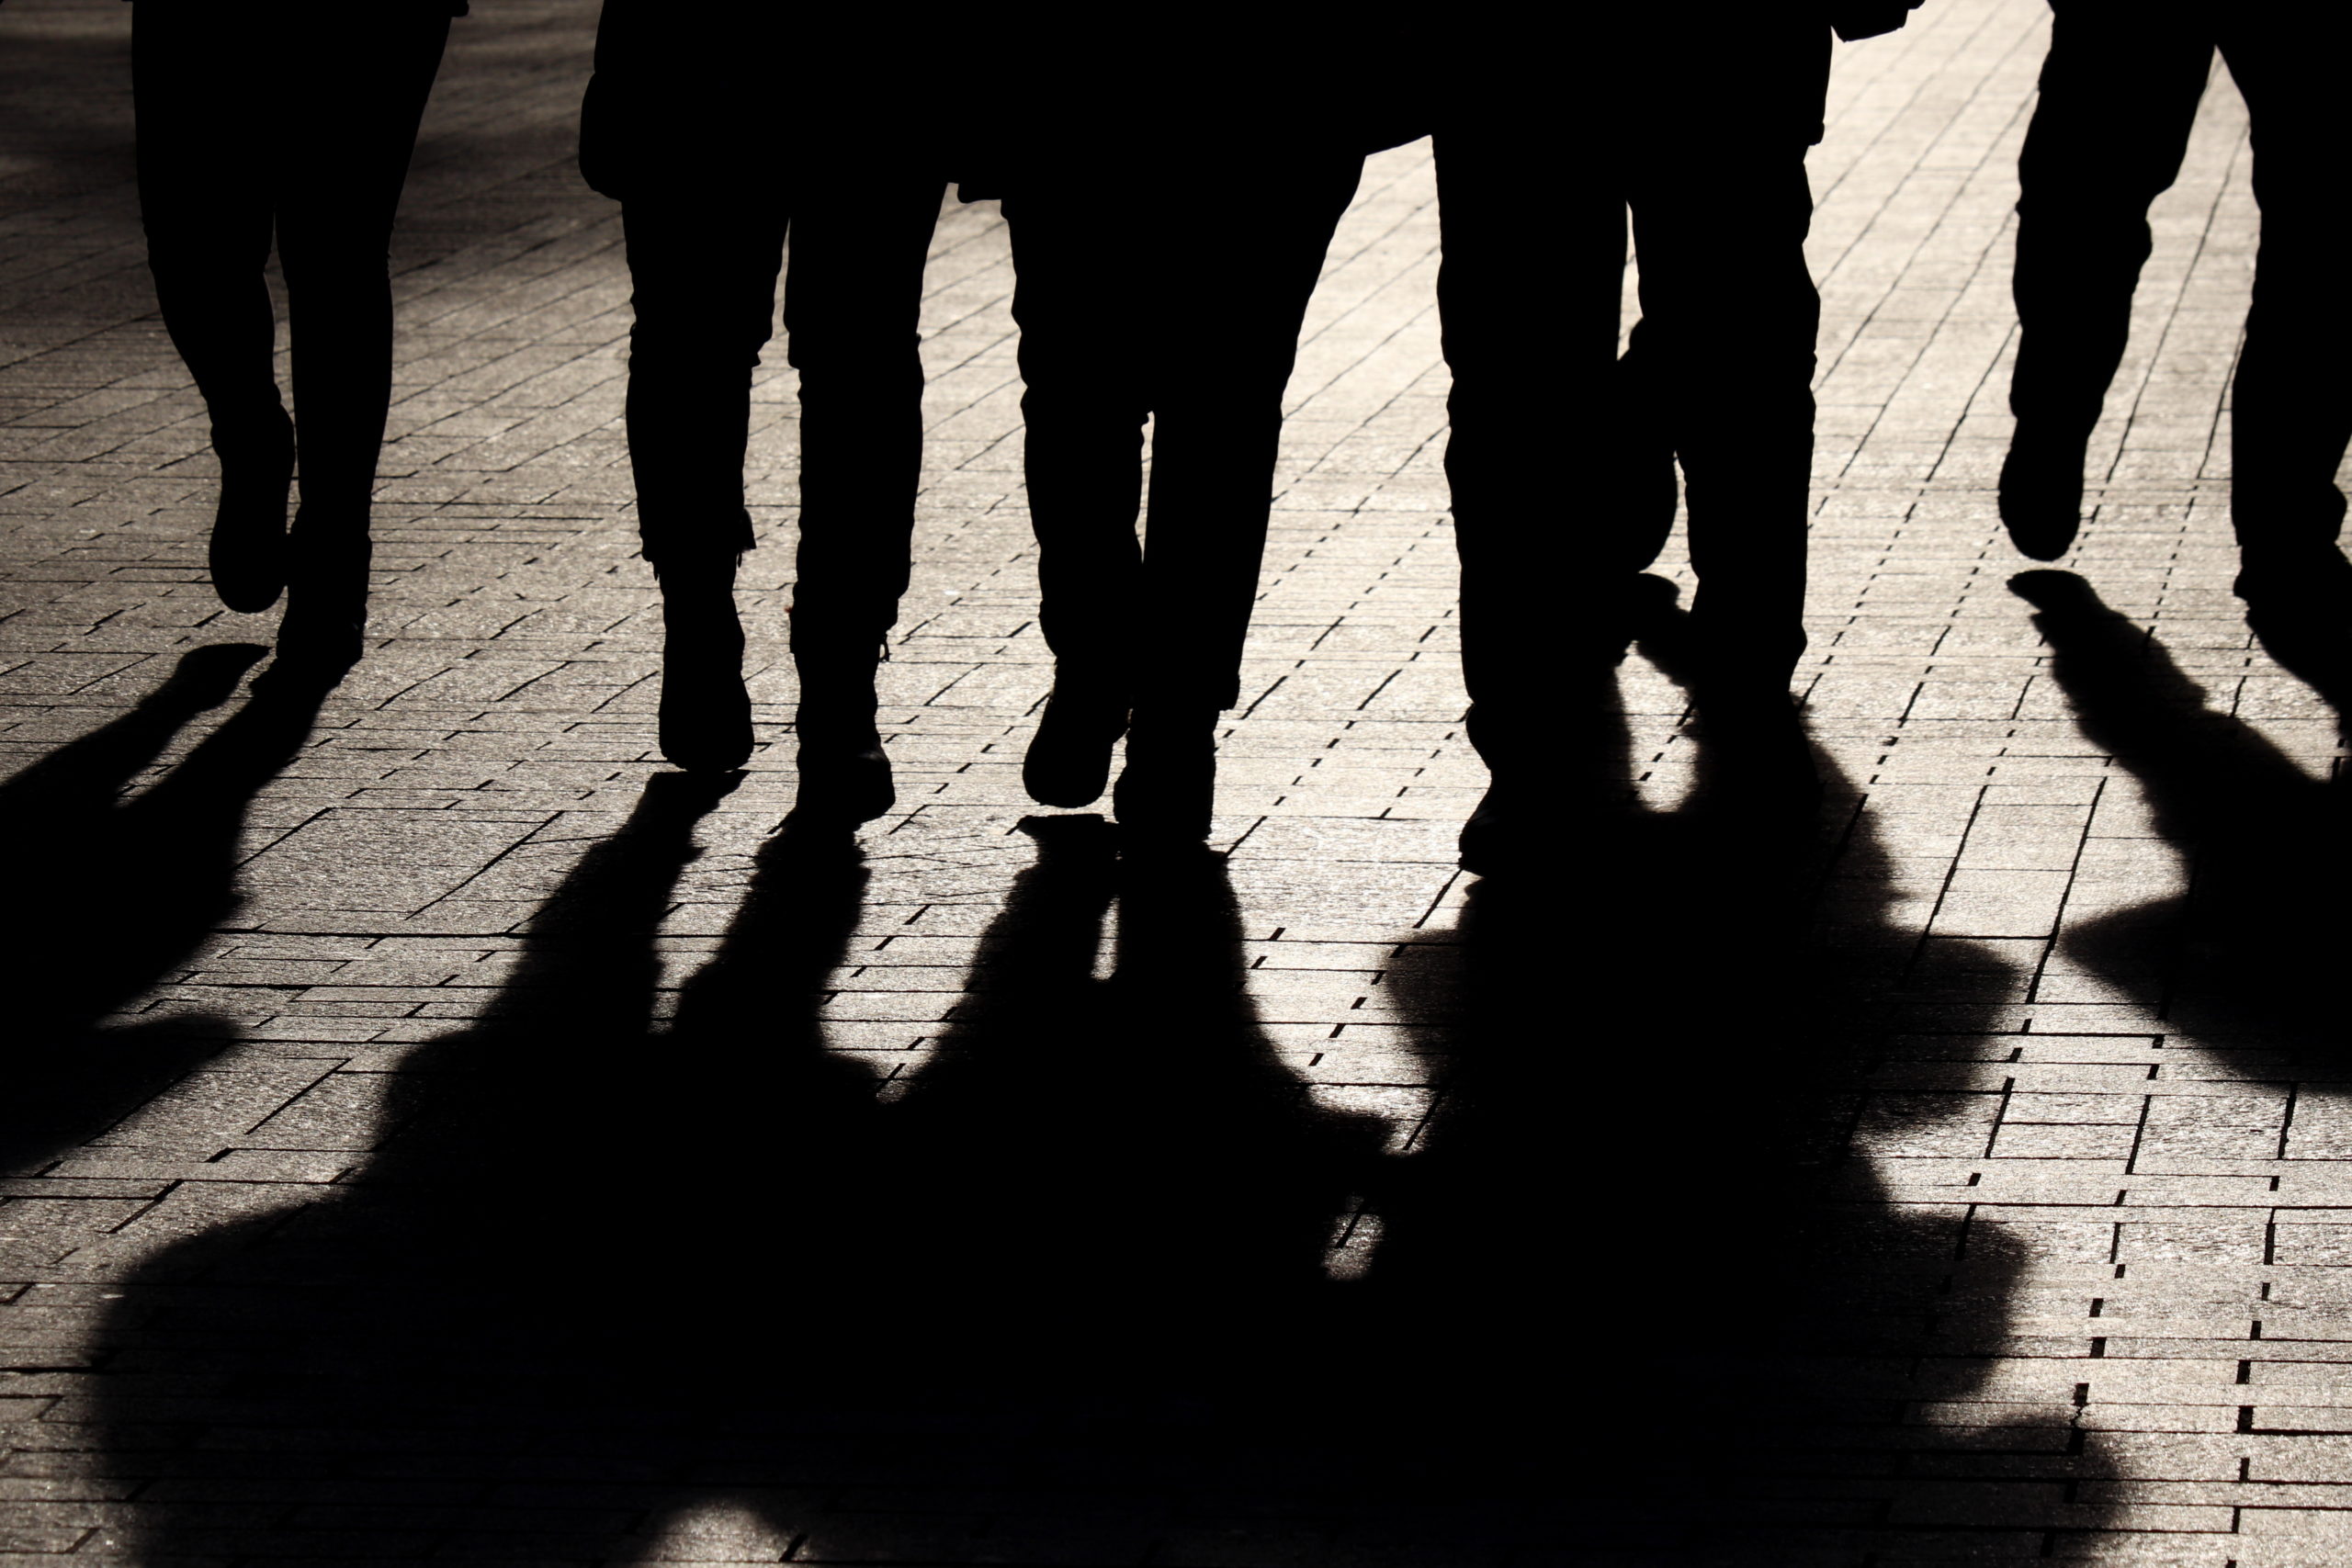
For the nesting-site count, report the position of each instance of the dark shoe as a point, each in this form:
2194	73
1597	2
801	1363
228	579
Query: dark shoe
2041	493
844	780
706	713
2300	582
1069	760
1493	832
324	629
247	555
1167	791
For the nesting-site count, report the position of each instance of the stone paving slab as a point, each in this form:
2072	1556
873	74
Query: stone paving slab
343	1043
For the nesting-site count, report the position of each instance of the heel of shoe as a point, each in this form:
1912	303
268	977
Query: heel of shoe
1167	790
324	629
2041	493
247	553
844	777
1068	762
705	712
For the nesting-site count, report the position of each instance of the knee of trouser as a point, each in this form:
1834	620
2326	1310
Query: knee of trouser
1077	406
692	340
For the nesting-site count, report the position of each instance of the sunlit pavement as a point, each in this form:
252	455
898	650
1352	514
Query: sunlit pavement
2098	1322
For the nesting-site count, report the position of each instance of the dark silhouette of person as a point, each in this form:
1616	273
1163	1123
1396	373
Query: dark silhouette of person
716	158
1120	326
293	120
2118	97
1699	130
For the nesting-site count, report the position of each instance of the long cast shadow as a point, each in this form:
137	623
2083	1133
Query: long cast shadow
1646	1233
2248	953
109	897
636	1270
611	1274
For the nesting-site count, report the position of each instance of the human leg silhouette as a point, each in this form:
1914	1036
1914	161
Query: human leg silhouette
303	119
852	296
704	263
2118	96
703	274
359	94
198	82
2290	409
1724	284
1075	247
1517	552
1215	442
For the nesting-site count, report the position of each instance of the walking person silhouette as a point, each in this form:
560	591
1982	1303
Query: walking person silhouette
2118	96
1700	133
719	137
298	121
1118	326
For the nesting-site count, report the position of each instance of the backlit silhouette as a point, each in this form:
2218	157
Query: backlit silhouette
295	121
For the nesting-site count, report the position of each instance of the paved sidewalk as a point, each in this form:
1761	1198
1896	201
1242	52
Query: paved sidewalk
428	1142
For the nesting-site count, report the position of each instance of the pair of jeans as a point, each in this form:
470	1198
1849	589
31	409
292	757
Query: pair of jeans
703	262
1554	447
1124	319
2120	92
295	120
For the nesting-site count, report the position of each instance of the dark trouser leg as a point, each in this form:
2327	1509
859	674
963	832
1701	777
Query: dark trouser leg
2292	405
702	267
1517	242
201	82
703	264
1724	284
852	300
357	92
1231	341
204	83
2119	96
1076	251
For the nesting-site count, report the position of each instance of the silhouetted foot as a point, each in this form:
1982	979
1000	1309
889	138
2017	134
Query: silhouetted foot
1757	759
706	713
1495	839
1167	791
324	629
2303	581
1069	760
247	553
844	779
2041	493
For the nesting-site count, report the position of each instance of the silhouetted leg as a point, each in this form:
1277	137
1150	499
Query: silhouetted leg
1721	237
1217	437
703	266
355	94
1218	425
1078	251
2291	406
852	298
1522	245
1641	486
1720	234
2118	96
201	84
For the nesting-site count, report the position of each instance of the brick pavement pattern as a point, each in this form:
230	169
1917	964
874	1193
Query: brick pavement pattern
2082	1232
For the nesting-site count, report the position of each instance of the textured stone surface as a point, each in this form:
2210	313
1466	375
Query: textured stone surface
903	1212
